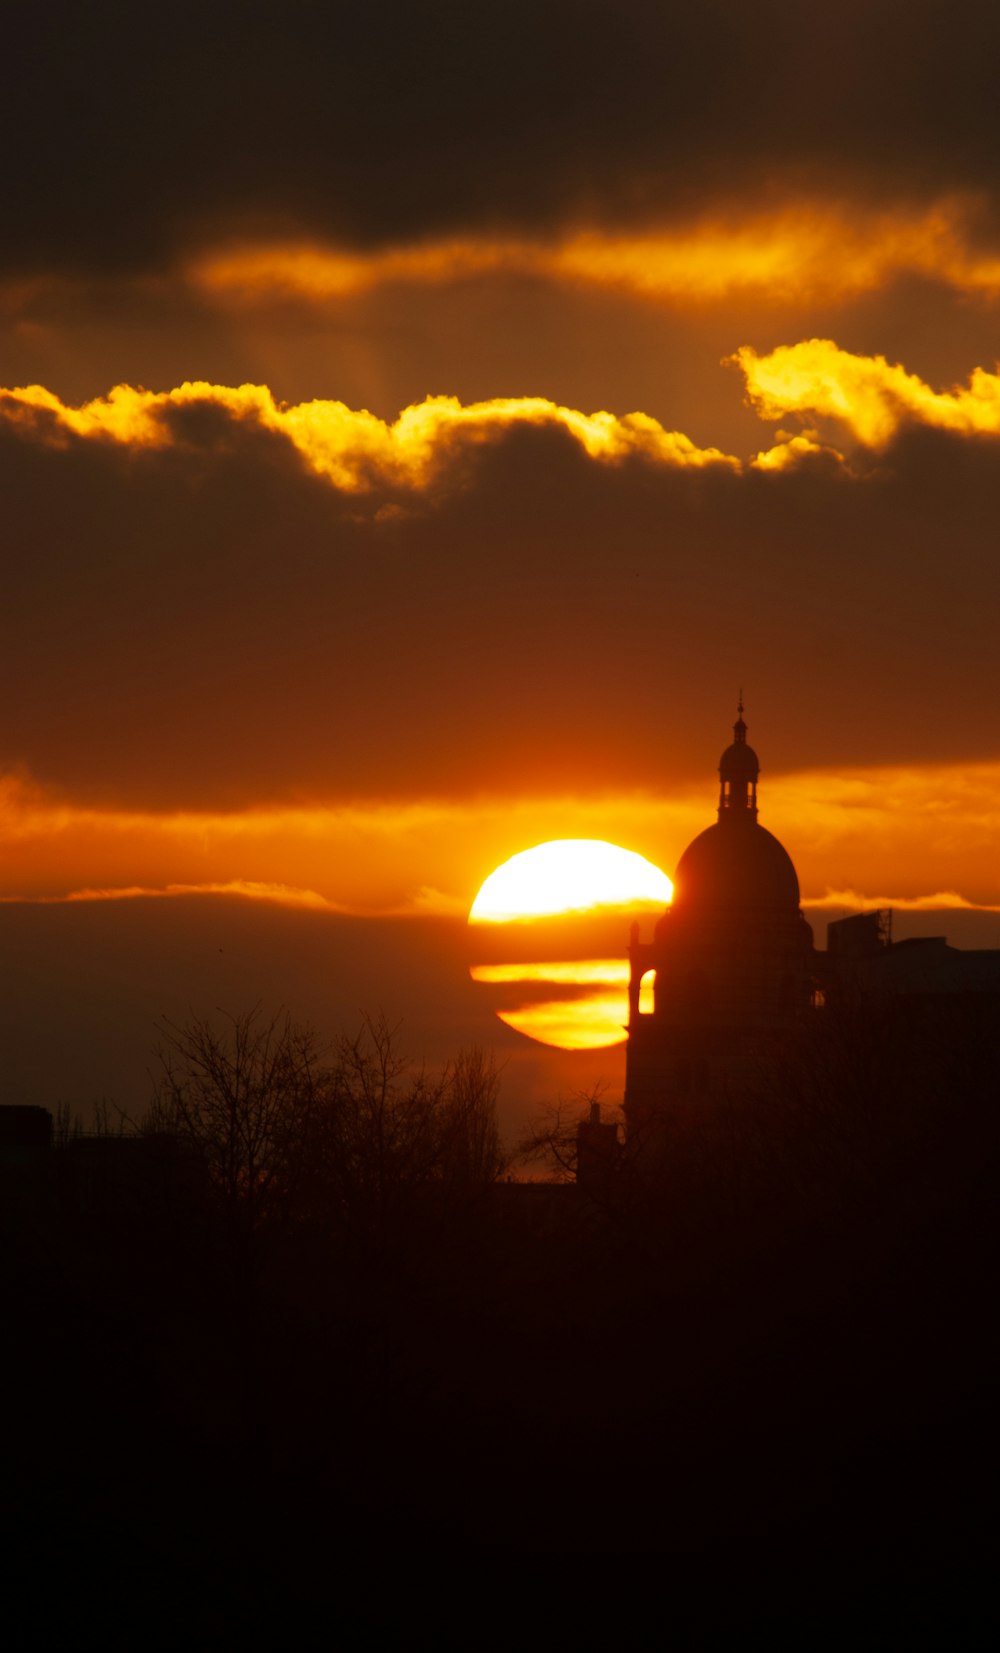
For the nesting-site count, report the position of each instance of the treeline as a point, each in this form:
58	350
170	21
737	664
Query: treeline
339	1143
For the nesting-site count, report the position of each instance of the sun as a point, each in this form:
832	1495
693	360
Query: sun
568	875
554	920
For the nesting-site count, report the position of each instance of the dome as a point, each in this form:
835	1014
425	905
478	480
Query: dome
739	763
736	863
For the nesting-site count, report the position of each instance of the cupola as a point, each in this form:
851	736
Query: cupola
738	772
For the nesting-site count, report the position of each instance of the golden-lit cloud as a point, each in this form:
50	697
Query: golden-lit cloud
798	253
868	394
314	271
352	448
789	451
284	895
943	901
358	452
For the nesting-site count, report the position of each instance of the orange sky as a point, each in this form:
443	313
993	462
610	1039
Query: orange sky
414	471
909	836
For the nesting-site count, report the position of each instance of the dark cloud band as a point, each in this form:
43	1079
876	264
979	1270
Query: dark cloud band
210	622
142	132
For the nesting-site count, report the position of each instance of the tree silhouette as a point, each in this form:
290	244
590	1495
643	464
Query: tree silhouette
471	1153
387	1128
245	1098
291	1133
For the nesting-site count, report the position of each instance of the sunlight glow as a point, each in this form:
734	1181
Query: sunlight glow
568	875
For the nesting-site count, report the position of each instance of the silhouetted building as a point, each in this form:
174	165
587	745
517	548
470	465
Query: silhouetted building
732	956
863	964
25	1131
597	1149
736	972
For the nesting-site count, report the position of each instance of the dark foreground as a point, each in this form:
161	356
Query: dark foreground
755	1397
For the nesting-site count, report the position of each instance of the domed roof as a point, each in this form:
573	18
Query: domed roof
736	863
739	762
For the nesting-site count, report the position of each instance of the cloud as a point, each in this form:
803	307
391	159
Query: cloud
414	125
366	858
196	618
870	396
352	449
799	253
926	833
908	829
942	901
283	894
788	452
359	453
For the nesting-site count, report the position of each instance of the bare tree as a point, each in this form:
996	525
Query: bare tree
472	1154
388	1127
245	1096
554	1140
289	1132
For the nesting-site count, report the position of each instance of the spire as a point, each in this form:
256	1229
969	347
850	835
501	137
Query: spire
738	772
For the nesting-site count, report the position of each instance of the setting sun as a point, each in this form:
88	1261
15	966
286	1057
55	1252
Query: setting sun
568	875
554	896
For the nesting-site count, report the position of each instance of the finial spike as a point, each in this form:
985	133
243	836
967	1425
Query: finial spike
739	709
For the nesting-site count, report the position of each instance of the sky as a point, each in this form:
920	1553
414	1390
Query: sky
418	423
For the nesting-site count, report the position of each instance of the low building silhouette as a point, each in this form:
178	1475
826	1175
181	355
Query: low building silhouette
862	963
25	1133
